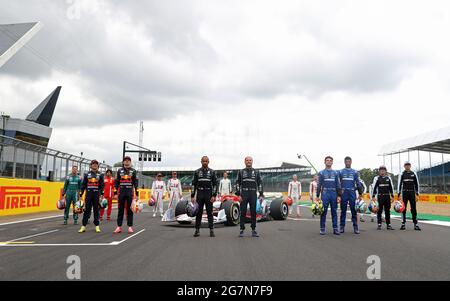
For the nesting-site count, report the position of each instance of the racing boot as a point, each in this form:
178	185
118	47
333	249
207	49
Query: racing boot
255	234
130	230
403	227
118	230
336	232
417	228
82	230
197	233
97	229
211	233
389	227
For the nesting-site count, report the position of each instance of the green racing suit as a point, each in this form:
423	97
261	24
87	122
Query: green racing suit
72	187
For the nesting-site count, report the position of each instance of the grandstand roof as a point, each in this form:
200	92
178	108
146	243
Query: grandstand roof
15	36
436	141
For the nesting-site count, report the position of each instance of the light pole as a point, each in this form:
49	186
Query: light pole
306	158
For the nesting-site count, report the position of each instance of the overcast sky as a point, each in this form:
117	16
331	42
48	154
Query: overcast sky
232	78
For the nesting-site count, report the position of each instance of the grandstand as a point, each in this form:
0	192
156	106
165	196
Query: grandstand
275	179
429	154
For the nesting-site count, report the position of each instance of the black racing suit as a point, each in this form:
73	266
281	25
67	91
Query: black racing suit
247	185
125	183
408	186
383	188
93	184
205	185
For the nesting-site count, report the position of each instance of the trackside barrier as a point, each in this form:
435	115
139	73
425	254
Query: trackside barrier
19	197
28	196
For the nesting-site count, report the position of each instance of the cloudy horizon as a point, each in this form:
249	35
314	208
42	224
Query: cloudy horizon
233	78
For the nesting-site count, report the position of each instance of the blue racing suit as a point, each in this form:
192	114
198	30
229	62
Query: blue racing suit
329	186
350	183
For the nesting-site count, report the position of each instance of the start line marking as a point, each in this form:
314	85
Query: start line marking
15	243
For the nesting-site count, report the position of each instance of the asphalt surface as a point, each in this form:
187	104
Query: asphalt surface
286	250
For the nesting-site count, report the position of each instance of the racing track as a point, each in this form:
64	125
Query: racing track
287	250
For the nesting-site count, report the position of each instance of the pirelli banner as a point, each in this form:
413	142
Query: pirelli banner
28	196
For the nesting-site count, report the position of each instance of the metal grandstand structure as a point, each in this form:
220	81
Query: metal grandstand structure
275	179
30	161
429	154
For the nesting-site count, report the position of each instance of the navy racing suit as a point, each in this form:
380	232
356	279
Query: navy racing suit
350	183
125	184
93	184
329	186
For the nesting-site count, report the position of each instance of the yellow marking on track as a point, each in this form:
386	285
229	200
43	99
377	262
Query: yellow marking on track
17	243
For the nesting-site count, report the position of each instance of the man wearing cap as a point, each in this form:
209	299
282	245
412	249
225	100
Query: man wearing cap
175	190
126	185
383	192
93	184
204	192
329	191
408	189
158	191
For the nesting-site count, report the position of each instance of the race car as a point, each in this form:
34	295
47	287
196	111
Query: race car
226	210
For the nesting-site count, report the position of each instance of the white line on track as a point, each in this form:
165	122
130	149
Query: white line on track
38	219
114	243
31	220
30	236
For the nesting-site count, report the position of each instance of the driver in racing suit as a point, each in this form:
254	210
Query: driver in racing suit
350	184
72	186
126	184
205	187
329	187
175	190
247	185
225	186
313	191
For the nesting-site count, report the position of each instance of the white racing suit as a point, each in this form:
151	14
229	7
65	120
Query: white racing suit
313	192
175	192
295	193
225	187
158	191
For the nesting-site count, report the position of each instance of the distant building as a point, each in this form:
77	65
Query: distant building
34	129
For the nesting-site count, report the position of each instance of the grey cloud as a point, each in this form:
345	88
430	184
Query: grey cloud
177	76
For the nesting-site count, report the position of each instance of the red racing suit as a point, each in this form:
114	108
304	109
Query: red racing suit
109	194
